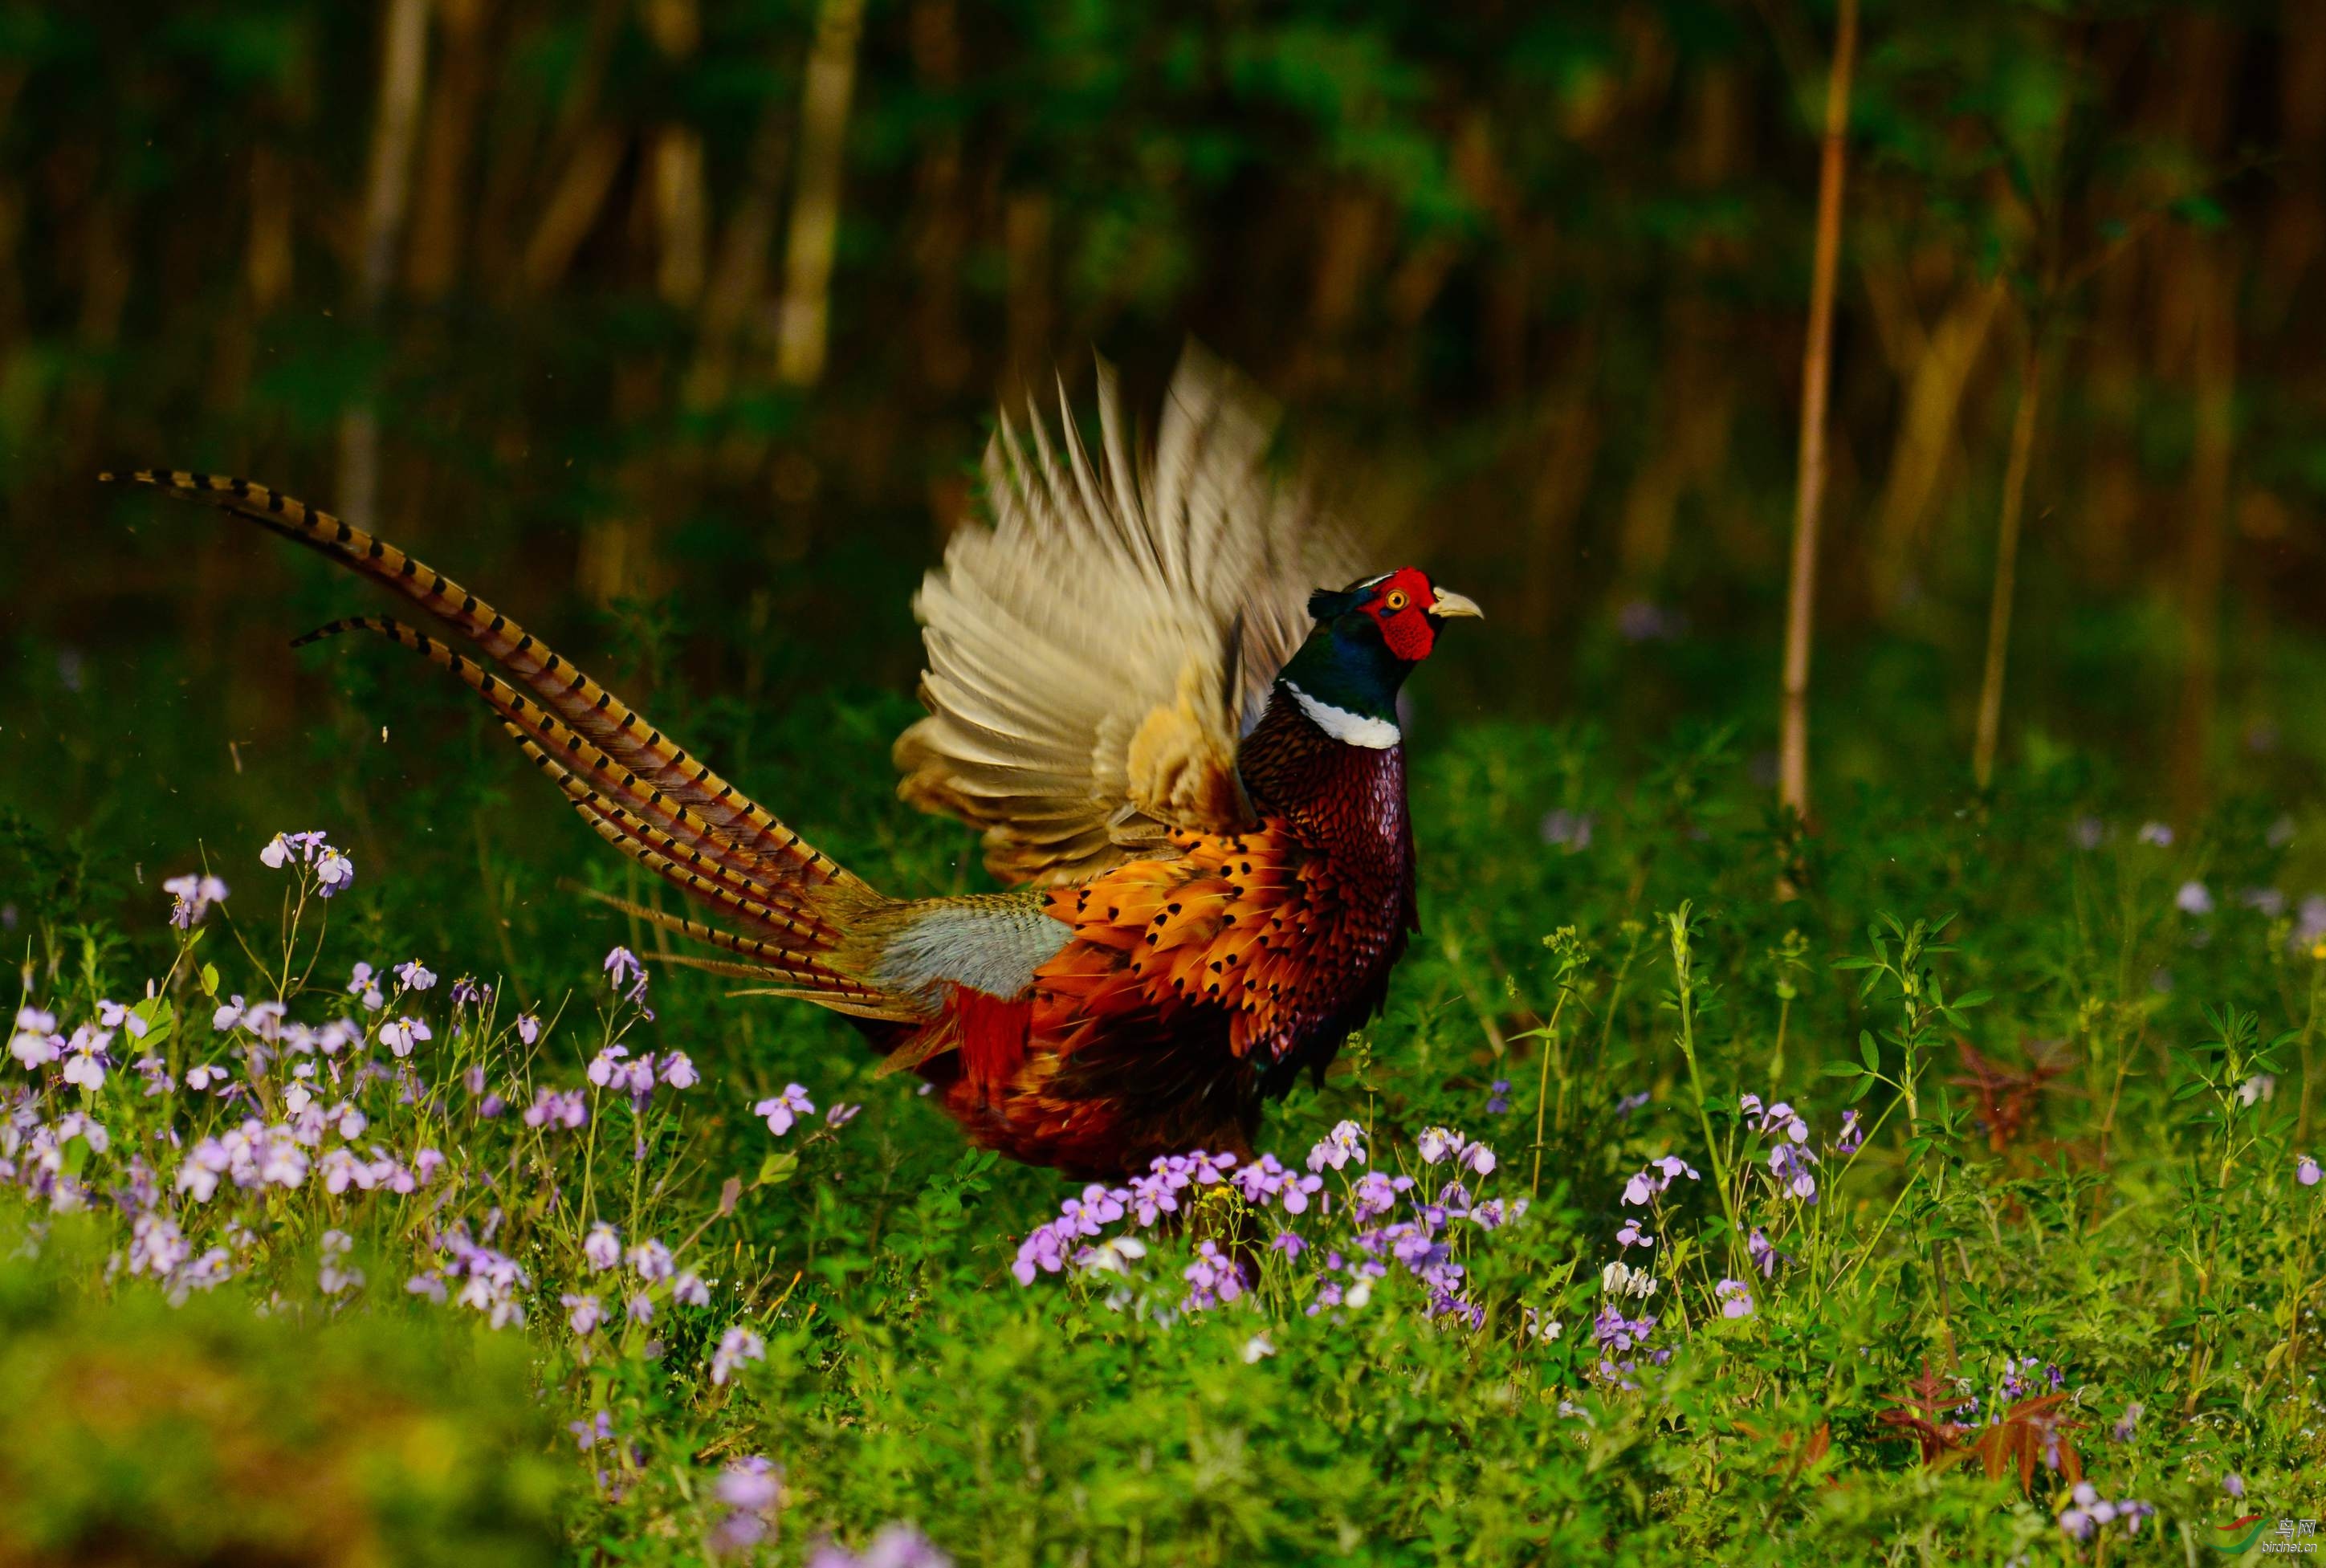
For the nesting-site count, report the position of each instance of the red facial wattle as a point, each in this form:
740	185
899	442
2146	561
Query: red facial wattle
1400	606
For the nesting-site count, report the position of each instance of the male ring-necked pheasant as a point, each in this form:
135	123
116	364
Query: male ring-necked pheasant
1183	755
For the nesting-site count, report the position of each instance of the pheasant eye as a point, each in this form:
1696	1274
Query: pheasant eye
1396	599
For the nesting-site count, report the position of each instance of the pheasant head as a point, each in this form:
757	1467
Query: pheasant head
1368	637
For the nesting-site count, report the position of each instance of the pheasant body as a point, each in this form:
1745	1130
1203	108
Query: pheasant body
1187	990
1195	772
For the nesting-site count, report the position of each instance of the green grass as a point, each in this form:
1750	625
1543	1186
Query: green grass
2132	1222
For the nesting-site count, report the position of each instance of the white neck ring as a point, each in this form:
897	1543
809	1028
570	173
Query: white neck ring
1352	729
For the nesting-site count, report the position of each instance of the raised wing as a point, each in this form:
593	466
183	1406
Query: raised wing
1096	656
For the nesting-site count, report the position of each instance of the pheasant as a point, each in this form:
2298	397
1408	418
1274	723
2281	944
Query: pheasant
1183	756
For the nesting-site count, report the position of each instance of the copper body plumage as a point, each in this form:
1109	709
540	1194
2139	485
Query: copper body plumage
1176	736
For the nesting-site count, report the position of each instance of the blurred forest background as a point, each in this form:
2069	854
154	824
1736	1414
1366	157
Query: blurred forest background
676	326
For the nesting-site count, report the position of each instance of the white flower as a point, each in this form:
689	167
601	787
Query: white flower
1257	1347
1112	1256
1618	1279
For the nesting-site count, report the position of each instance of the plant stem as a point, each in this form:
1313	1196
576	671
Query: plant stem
1683	973
1543	1086
1817	355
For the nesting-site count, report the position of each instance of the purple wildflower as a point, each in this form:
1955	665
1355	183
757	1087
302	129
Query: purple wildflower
651	1259
191	897
415	975
785	1109
1735	1298
553	1107
1790	1164
1615	1331
1206	1170
528	1027
582	1312
1212	1277
737	1347
1336	1148
335	872
1155	1194
2305	1170
36	1042
751	1484
1045	1249
114	1015
401	1036
1085	1215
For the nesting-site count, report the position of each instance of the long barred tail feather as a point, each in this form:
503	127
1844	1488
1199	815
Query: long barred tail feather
809	980
638	790
580	701
676	831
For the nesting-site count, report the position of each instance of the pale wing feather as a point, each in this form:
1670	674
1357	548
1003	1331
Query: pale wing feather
1096	655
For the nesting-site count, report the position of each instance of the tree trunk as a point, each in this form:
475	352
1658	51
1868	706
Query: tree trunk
2006	561
2213	388
387	194
803	322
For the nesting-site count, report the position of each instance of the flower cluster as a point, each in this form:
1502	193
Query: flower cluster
1374	1222
2086	1511
191	897
615	1068
334	870
1790	1156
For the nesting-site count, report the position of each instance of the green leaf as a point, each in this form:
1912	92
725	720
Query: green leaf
1867	1052
776	1169
1843	1069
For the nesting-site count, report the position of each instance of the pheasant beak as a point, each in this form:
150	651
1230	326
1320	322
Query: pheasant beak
1451	605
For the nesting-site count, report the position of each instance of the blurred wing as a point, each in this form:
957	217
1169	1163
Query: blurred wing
1096	656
